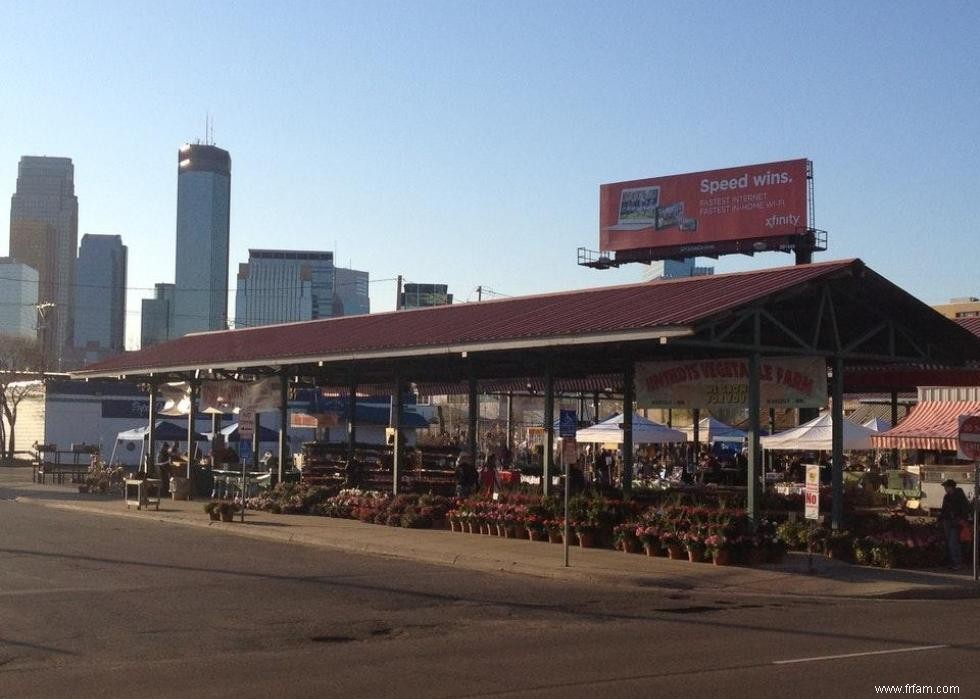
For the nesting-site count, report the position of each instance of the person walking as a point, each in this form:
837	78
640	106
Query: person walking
956	510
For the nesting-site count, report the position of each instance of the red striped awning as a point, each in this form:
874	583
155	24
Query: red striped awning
930	425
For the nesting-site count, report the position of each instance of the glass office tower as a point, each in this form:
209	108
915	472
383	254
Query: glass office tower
203	217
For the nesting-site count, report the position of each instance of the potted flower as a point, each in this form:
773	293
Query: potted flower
624	536
535	527
719	548
671	541
555	529
586	530
649	537
226	510
695	546
212	509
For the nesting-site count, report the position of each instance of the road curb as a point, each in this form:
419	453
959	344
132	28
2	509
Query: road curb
694	580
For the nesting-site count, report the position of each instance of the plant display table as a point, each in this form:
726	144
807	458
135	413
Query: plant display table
142	493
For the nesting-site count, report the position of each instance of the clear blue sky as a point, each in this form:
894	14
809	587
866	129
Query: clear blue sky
464	142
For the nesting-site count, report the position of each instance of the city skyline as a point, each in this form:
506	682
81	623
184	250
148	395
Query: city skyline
467	144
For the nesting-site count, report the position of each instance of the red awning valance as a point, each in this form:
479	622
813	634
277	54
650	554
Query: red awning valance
930	425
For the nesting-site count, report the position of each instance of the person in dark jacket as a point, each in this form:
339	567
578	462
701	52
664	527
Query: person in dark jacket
955	511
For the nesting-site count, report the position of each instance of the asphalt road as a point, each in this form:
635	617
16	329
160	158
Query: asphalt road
110	607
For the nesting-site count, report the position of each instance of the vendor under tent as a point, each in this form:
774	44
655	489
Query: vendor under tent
816	435
165	432
711	430
645	431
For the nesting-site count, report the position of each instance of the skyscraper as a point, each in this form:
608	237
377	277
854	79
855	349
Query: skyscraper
282	286
18	299
44	235
157	317
203	217
100	299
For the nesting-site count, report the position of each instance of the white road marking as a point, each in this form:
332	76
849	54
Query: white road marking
857	655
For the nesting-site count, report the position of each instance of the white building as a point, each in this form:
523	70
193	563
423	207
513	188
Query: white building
18	299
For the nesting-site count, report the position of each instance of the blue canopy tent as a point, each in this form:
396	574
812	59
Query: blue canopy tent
230	433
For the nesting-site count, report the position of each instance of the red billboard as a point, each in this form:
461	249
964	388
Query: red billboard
705	213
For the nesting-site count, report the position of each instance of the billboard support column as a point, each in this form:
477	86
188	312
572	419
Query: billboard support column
754	451
549	430
837	444
629	375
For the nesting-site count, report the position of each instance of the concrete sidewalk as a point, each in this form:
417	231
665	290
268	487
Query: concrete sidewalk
492	554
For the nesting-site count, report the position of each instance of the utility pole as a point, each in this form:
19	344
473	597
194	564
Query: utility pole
479	293
398	298
43	321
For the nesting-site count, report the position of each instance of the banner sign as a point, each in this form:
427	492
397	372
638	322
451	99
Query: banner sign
969	438
222	395
316	420
811	492
246	425
785	382
567	424
259	396
704	212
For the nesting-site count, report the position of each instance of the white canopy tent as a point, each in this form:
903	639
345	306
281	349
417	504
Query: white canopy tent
816	435
165	431
645	431
711	430
877	424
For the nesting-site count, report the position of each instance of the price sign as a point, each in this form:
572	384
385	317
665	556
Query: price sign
811	492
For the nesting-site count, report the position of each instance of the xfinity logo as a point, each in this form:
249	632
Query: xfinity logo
774	221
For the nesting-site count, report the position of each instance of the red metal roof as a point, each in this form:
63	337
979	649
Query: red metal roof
972	324
595	312
930	425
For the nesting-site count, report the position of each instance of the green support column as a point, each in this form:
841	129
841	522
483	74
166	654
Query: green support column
256	441
628	400
151	456
837	443
754	455
398	450
549	430
473	415
696	434
894	452
191	424
510	423
351	418
283	424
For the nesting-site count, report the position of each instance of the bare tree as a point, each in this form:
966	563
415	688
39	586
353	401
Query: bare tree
19	374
